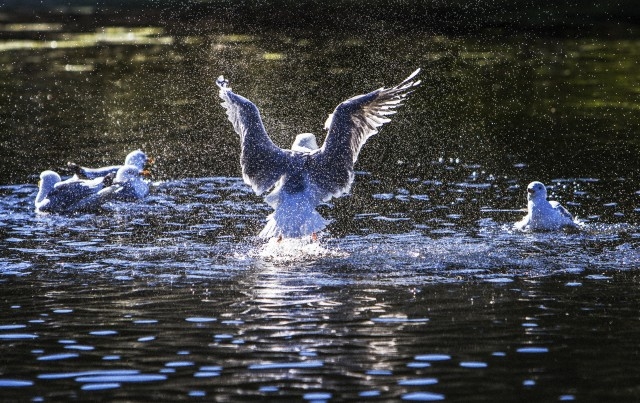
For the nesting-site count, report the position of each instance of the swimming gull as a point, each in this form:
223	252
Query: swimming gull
129	184
544	215
73	195
306	175
136	158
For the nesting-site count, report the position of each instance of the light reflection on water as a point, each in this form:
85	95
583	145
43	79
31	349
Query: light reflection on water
175	297
420	290
106	35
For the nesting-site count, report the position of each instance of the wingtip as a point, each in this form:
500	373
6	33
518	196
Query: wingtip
222	83
413	75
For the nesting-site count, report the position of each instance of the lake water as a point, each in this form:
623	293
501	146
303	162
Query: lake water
419	291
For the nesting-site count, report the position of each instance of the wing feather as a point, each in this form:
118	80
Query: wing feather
350	125
560	209
67	195
263	163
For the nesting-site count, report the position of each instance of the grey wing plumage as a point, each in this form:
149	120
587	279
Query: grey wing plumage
560	209
91	173
73	195
350	125
263	163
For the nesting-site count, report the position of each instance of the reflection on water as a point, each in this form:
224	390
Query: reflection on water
108	88
420	290
176	298
107	35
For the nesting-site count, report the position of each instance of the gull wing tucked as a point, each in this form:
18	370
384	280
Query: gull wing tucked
350	125
560	209
263	163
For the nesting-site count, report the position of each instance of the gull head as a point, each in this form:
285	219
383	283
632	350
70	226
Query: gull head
136	158
536	191
127	173
48	180
304	143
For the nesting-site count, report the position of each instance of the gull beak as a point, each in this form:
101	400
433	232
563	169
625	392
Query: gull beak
531	191
146	171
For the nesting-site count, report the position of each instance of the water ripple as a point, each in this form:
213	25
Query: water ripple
287	365
133	378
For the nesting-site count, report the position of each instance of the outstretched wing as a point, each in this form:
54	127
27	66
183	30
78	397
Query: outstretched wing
350	125
263	163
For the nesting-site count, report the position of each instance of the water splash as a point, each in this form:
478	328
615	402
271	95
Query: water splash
291	250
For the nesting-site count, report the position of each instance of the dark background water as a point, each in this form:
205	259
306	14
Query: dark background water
419	291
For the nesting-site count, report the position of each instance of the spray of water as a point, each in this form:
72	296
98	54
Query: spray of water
291	250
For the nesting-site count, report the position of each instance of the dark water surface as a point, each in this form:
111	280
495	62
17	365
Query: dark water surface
419	291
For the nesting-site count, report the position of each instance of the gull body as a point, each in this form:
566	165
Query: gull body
129	184
307	175
294	197
70	196
544	215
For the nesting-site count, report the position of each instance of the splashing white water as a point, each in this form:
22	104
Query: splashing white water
293	250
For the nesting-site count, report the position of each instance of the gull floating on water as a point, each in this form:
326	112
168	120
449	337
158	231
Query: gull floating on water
136	158
306	175
82	195
73	195
544	215
129	184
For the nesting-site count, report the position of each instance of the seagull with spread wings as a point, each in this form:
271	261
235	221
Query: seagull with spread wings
306	175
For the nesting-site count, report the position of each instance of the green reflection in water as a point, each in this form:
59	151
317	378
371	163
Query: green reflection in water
35	26
107	35
491	102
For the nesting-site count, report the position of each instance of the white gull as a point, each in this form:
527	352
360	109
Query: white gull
544	215
306	175
71	196
129	184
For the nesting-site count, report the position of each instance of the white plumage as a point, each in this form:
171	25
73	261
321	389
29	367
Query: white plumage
71	196
544	215
129	184
76	195
306	175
